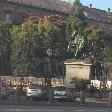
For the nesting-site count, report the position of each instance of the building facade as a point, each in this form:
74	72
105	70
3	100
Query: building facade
16	11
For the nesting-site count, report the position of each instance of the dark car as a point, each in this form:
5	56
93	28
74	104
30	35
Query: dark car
61	94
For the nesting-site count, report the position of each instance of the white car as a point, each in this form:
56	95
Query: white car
35	91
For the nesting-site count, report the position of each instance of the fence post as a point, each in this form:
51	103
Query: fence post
82	97
110	98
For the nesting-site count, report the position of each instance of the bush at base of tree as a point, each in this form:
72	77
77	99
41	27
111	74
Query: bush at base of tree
79	83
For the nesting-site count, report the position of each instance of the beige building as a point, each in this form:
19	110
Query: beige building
76	69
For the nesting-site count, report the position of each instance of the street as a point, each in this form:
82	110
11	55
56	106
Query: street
9	105
17	108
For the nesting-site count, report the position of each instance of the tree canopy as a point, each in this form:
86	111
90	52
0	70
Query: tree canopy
90	44
23	47
5	48
76	24
30	42
98	49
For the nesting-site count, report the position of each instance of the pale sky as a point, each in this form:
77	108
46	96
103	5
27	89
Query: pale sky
99	4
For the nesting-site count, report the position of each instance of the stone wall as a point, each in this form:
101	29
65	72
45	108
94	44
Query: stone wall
76	69
18	12
28	80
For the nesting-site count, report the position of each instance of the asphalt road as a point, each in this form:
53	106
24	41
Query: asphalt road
43	106
15	108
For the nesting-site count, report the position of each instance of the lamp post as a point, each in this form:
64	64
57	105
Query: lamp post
49	64
49	75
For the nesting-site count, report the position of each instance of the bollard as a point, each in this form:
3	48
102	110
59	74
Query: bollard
82	97
51	97
17	95
110	98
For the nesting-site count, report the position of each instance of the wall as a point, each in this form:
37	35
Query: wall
19	12
28	80
76	69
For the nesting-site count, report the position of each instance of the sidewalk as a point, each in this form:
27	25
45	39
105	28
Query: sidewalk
45	103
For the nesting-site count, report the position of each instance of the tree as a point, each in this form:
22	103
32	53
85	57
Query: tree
52	36
99	50
75	31
5	49
26	48
88	43
31	40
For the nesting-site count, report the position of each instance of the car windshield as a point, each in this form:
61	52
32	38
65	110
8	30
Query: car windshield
59	88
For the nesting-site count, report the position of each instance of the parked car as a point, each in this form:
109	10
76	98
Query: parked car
61	94
4	90
35	92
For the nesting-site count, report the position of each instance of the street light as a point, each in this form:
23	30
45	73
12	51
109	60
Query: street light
49	53
49	65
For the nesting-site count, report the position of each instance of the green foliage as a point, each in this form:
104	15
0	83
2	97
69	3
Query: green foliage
80	84
53	37
5	48
98	49
96	44
26	48
76	24
31	41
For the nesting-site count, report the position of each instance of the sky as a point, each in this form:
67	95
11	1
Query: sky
99	4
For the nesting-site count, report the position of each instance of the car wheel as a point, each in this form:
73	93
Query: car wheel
35	99
27	98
